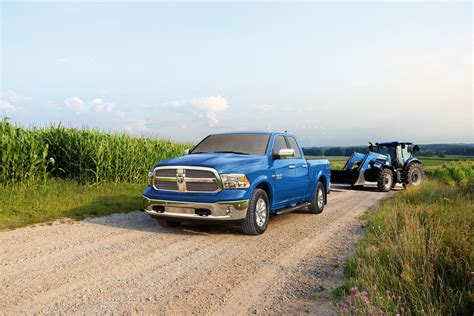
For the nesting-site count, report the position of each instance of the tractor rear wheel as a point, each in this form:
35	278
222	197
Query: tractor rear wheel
385	180
414	174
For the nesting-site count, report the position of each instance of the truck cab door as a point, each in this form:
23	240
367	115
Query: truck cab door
283	174
301	178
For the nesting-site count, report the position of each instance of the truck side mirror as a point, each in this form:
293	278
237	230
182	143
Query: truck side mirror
286	153
186	152
415	149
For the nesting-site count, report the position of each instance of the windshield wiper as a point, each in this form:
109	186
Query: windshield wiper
230	152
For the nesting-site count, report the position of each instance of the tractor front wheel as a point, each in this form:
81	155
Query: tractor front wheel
414	174
385	180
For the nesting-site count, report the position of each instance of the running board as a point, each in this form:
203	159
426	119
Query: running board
292	208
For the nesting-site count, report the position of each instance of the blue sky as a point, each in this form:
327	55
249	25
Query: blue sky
333	74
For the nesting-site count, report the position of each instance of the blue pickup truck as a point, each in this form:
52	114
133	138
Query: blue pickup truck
237	177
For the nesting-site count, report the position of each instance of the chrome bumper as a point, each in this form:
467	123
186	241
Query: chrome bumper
228	210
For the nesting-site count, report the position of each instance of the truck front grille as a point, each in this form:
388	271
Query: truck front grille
186	179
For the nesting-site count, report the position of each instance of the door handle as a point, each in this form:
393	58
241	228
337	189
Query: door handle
305	166
291	166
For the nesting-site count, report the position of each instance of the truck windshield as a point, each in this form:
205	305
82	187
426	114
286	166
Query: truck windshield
244	144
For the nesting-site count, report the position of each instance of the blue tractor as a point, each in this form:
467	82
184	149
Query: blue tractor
386	163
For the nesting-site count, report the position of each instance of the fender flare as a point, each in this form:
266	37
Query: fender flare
263	179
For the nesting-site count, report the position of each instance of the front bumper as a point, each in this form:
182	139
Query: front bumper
226	210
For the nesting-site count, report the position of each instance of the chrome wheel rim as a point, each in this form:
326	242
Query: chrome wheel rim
320	198
261	212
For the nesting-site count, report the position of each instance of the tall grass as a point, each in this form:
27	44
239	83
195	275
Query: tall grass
87	155
417	257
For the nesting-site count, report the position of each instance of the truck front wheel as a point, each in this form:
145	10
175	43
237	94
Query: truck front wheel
258	214
316	205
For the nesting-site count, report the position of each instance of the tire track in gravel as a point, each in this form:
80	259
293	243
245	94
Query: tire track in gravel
125	263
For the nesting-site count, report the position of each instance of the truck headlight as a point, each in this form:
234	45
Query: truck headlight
235	181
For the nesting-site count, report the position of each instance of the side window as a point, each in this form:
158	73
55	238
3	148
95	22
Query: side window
406	152
294	145
278	144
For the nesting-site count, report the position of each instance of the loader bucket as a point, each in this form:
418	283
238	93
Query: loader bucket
353	177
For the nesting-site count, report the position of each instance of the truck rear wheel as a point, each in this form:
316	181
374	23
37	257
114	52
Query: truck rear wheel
319	200
385	180
258	214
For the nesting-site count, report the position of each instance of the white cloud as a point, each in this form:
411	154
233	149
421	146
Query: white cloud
206	106
76	104
9	100
96	105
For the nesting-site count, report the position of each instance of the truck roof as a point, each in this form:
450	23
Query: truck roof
254	132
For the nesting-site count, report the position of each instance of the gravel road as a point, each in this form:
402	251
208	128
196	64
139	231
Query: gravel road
126	263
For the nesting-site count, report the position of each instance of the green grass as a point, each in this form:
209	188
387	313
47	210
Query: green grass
432	162
57	199
417	257
30	156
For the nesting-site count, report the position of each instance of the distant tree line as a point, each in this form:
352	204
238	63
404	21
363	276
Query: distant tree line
425	150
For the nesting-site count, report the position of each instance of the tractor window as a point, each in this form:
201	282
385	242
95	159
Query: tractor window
406	152
381	150
389	151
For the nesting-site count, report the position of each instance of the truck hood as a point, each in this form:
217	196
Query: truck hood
223	163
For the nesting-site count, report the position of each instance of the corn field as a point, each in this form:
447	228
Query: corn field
29	156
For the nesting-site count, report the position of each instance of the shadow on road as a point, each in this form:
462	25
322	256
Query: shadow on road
369	187
121	217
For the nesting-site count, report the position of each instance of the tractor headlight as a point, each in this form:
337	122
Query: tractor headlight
235	181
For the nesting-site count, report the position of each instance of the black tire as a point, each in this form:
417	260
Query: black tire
256	221
319	199
414	174
385	180
165	223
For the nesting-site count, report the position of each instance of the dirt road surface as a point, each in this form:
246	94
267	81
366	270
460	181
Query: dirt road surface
126	263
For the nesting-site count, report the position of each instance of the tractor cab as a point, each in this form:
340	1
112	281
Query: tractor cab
398	153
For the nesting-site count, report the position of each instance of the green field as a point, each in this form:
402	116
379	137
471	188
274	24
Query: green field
57	172
30	156
417	257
